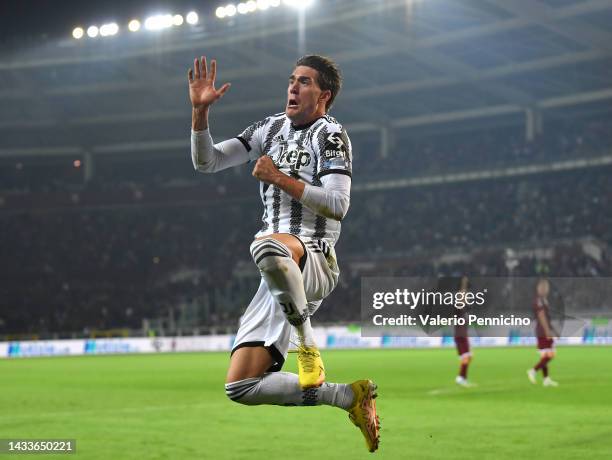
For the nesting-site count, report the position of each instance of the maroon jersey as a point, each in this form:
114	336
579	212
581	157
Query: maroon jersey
541	304
461	331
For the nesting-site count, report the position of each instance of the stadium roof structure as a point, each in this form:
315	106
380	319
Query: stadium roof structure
407	64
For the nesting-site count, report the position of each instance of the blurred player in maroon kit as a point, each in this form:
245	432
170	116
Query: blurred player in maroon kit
544	333
462	341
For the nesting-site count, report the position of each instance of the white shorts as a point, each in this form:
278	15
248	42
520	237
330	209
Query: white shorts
264	323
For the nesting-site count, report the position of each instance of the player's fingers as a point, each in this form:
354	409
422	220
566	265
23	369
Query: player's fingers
204	68
196	68
224	89
190	75
213	70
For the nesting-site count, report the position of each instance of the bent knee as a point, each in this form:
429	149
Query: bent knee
240	390
270	254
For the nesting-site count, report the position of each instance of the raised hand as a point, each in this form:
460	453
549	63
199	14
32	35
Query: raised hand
202	90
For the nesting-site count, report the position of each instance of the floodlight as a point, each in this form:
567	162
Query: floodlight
134	25
77	33
192	18
109	29
158	22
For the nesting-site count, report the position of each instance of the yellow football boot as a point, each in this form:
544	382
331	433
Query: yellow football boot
311	372
363	412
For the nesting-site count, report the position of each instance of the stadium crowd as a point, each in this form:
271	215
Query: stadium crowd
86	267
73	271
416	156
499	147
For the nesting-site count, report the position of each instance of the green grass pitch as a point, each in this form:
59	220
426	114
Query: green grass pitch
174	407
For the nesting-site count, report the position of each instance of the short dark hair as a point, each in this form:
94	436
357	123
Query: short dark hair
330	77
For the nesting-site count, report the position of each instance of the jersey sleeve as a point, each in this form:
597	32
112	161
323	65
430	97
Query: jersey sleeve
538	306
252	139
333	148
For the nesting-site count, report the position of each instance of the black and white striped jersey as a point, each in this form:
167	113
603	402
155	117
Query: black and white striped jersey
303	152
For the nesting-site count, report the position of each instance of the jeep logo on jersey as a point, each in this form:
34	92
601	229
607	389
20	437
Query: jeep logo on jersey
335	146
295	159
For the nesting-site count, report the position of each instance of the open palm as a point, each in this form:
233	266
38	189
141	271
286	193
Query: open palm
202	90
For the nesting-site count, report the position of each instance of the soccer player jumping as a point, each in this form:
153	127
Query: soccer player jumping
303	161
544	333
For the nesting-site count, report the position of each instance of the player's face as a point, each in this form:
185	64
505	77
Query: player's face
305	99
543	288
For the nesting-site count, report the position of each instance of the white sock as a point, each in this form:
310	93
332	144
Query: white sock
283	389
284	279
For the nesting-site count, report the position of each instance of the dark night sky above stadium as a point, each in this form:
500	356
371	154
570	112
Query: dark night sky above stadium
57	18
